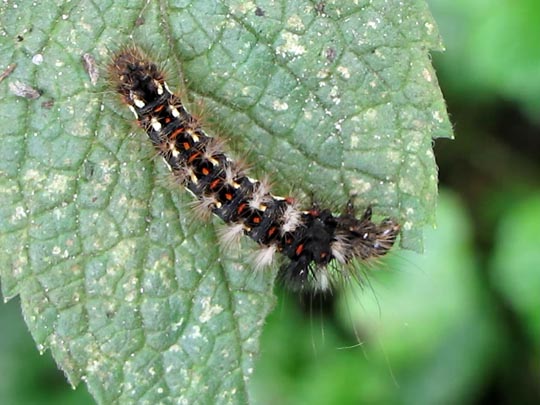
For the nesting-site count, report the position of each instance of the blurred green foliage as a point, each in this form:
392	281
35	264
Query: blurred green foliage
491	49
460	324
26	377
516	265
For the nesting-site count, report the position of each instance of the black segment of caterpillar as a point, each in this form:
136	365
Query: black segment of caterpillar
313	240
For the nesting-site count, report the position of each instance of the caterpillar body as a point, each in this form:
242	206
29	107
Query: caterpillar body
315	242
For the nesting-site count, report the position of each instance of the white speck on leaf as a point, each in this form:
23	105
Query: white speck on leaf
244	7
196	334
361	186
209	310
323	73
291	46
295	23
344	72
373	24
334	94
437	116
58	184
37	59
427	75
20	213
279	105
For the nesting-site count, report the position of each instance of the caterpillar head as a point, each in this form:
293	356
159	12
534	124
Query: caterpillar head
360	238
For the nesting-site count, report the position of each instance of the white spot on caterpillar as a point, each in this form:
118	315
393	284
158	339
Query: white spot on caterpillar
194	136
156	125
192	176
174	111
230	175
174	151
159	87
137	101
213	147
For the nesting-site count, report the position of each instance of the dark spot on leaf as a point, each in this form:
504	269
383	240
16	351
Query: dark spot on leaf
331	54
319	7
88	169
48	104
259	12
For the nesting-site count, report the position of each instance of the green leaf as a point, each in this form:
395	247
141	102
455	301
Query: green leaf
128	290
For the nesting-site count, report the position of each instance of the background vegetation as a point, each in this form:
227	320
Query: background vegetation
458	324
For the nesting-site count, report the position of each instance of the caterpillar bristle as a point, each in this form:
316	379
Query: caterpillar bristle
265	256
230	236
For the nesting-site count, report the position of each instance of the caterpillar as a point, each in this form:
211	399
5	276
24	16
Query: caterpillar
315	242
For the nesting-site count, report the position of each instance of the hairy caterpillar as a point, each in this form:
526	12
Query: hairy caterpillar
316	242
